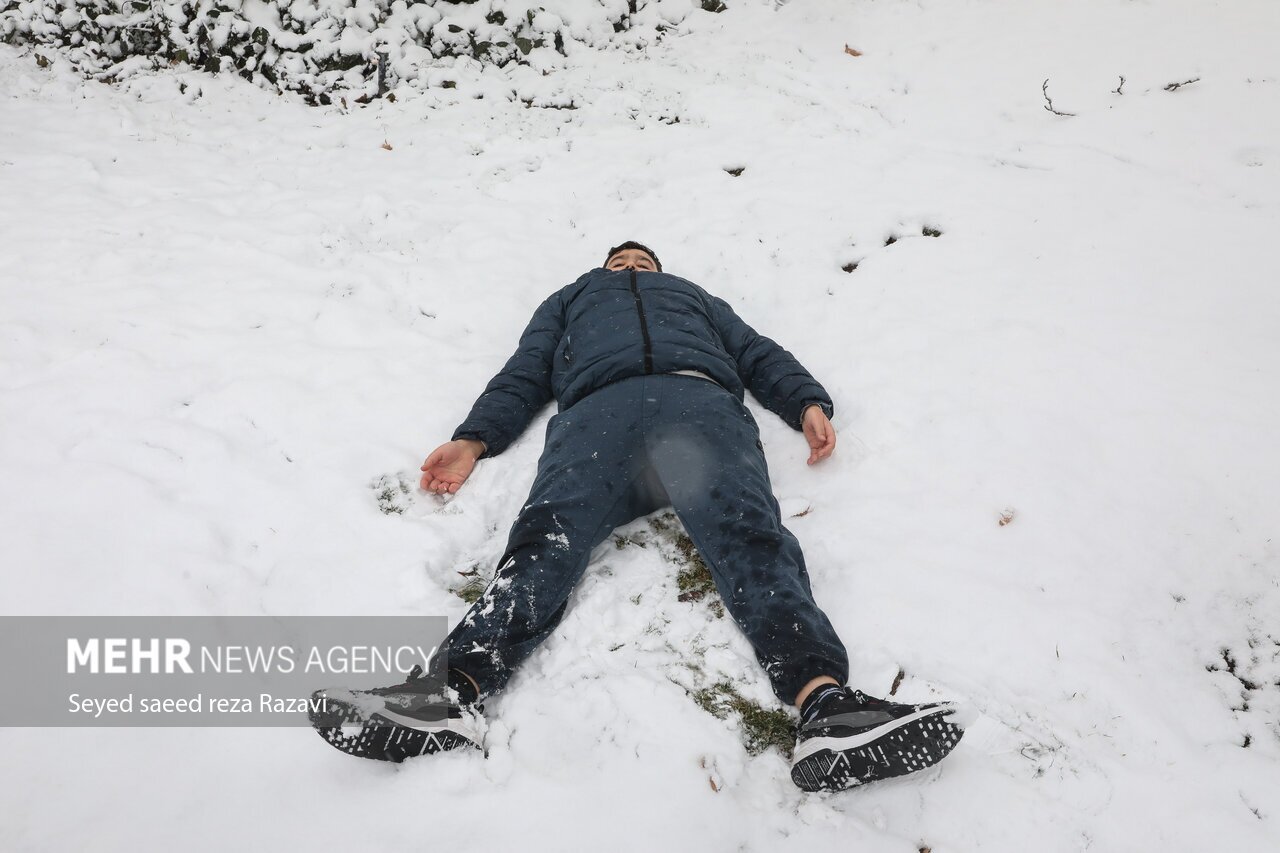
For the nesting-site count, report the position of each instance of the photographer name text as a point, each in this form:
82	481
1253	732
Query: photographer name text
266	703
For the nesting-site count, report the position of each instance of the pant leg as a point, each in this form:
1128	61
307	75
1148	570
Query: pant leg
705	447
591	479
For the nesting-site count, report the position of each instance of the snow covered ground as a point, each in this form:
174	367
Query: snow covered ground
226	318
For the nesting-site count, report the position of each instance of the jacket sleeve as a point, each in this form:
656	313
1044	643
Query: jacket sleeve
522	387
770	373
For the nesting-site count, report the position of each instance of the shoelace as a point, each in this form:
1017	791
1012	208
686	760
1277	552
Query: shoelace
415	675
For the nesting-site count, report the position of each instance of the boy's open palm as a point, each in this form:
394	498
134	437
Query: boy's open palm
449	466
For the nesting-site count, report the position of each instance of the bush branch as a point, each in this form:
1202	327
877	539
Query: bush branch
1049	101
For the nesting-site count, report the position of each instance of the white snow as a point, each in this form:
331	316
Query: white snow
224	315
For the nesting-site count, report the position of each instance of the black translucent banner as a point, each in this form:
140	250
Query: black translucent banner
200	670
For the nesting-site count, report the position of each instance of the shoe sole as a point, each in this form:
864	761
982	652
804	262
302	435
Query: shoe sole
381	738
895	749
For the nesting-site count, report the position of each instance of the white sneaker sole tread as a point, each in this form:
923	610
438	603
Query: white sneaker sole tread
387	736
896	748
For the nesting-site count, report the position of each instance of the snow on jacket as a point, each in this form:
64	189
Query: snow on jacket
611	325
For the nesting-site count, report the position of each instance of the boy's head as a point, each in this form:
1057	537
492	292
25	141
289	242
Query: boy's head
632	255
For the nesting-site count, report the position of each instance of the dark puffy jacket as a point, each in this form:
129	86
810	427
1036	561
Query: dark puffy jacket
611	325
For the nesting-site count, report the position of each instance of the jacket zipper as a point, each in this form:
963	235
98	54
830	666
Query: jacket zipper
644	326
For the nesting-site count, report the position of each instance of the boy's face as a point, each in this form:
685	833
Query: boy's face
632	259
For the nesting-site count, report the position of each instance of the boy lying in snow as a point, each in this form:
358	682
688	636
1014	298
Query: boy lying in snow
649	371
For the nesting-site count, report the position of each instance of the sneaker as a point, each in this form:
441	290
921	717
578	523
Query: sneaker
415	718
848	738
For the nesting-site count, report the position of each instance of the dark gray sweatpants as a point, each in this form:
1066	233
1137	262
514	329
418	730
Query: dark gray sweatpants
624	451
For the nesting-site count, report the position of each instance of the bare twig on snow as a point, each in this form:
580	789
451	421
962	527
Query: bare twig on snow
1049	101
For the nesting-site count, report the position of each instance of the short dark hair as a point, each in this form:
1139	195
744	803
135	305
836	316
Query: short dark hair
632	244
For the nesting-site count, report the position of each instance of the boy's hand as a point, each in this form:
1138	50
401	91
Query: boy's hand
820	434
449	465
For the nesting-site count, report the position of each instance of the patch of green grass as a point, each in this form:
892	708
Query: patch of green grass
386	502
762	728
638	539
473	586
663	523
471	591
391	490
693	579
